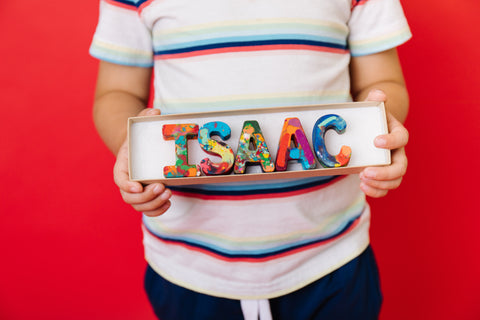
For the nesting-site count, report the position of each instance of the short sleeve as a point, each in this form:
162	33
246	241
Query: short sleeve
377	25
121	37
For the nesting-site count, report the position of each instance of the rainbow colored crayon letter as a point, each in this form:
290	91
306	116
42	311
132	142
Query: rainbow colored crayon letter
324	123
251	134
180	133
215	147
292	132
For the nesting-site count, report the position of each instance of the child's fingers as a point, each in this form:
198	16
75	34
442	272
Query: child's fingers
159	211
123	182
151	206
150	193
154	204
396	170
373	192
383	185
152	200
120	172
377	181
397	138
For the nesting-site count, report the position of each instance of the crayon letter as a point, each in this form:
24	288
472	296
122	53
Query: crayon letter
324	123
292	133
251	134
215	147
180	133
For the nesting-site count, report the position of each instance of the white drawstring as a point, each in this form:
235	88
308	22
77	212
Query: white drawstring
264	310
256	309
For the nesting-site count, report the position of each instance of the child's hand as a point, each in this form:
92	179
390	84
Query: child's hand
152	200
377	181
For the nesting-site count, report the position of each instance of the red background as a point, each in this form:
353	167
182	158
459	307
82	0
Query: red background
70	249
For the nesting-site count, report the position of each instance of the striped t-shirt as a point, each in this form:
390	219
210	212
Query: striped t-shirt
258	239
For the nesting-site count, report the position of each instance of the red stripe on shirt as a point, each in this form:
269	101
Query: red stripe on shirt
249	49
121	5
252	259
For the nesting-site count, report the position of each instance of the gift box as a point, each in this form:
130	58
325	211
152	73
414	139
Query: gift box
256	144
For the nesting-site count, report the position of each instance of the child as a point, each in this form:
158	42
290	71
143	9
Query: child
288	249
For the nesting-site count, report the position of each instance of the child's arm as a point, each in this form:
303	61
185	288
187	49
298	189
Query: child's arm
123	92
379	77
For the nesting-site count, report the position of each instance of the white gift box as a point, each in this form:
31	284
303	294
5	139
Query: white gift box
149	152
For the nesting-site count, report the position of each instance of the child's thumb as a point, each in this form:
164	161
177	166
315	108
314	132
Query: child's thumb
376	95
149	112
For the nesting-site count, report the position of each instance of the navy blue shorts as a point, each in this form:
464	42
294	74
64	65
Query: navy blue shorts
350	292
